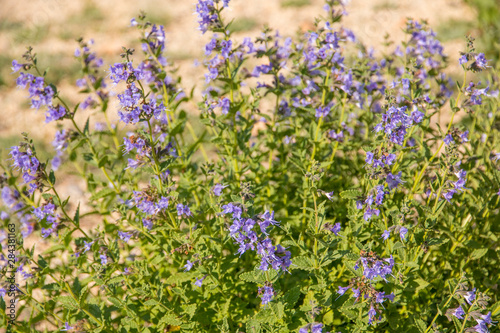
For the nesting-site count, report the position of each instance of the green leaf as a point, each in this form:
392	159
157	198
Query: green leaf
302	262
68	302
102	193
420	324
54	248
253	326
278	310
437	241
76	218
86	128
170	319
52	177
292	296
116	302
478	253
41	262
190	309
52	286
102	161
351	194
116	279
151	302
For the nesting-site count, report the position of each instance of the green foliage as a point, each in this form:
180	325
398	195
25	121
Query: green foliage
326	195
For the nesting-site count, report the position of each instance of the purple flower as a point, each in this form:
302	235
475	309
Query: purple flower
336	228
329	195
225	105
385	235
16	66
448	139
481	61
393	180
87	246
183	210
389	159
217	189
470	296
370	212
462	60
322	112
402	233
458	312
487	318
369	157
207	16
371	314
124	236
342	290
54	113
104	259
199	282
266	294
449	195
464	136
317	328
188	266
147	223
119	72
66	327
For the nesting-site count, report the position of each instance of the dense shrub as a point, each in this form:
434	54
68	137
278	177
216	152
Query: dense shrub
313	190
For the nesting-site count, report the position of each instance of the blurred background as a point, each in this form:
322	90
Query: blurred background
51	27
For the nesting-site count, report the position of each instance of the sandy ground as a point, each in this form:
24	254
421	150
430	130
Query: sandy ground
51	26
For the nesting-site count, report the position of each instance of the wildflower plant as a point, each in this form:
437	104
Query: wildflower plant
308	188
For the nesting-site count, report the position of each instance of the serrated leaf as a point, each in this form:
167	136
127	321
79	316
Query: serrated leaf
54	249
102	193
68	302
151	302
302	262
190	309
420	324
170	319
115	301
351	194
116	279
478	253
437	241
42	262
278	310
292	296
253	326
52	286
76	218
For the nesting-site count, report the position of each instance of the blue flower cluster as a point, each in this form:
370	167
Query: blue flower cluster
207	14
60	144
149	204
40	93
482	321
242	231
48	213
12	199
314	327
362	287
374	266
396	122
458	185
266	294
29	165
